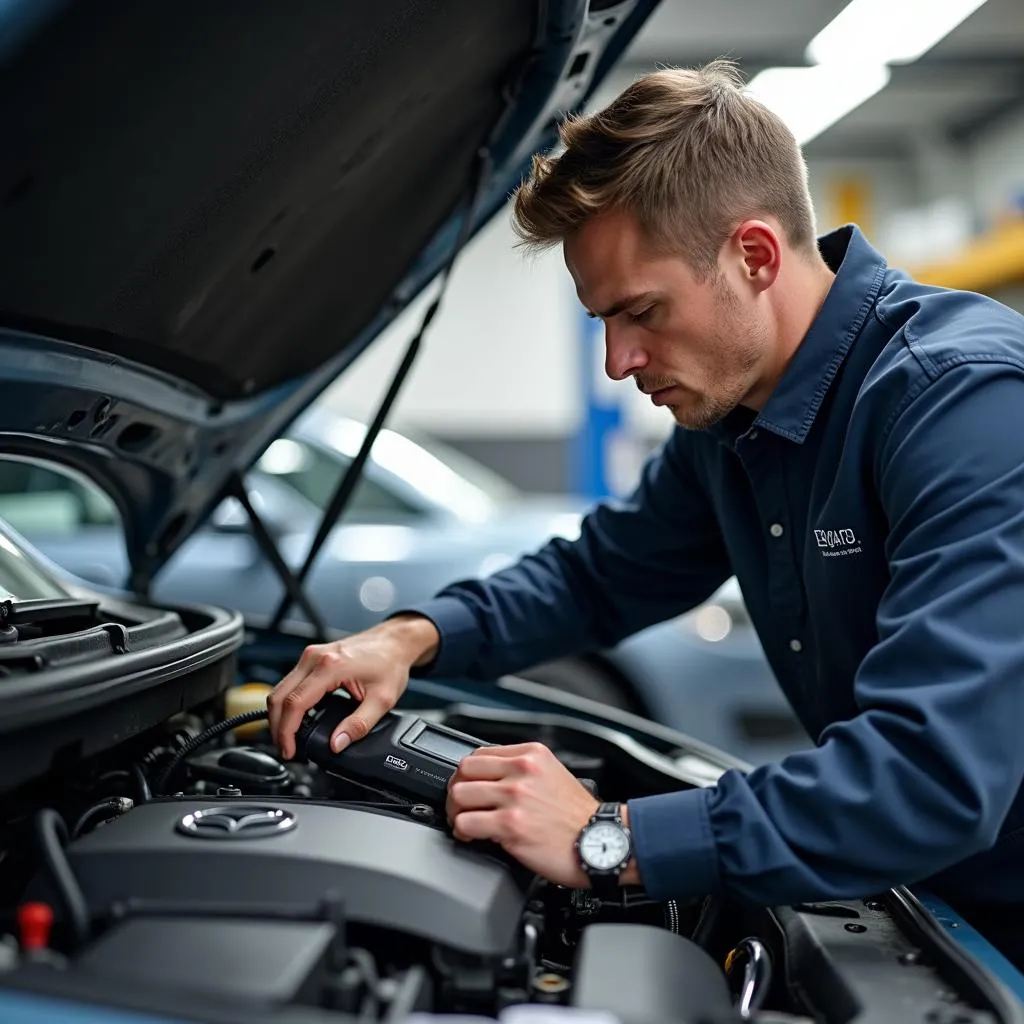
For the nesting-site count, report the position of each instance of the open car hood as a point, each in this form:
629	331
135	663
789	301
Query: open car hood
207	213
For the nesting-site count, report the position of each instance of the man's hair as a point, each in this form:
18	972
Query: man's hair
687	153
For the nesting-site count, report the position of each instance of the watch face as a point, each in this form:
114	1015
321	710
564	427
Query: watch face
604	846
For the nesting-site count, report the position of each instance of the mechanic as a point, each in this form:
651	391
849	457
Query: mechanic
848	443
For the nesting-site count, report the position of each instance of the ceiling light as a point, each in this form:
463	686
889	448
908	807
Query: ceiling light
712	623
284	456
809	100
887	31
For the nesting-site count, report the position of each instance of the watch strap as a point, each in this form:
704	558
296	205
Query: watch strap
605	887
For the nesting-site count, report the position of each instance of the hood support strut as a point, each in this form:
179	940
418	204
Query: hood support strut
236	489
347	485
293	582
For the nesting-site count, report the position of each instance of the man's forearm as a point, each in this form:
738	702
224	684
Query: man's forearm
417	636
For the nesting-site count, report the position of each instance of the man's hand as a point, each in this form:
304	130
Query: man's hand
523	798
373	666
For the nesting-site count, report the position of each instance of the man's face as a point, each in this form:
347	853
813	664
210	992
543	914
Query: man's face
698	348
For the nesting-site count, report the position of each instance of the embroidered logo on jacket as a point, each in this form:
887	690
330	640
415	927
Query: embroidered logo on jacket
836	543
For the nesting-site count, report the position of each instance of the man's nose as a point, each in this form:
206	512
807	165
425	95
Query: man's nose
623	356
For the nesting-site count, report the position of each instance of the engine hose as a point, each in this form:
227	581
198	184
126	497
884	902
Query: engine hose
144	793
135	775
114	807
51	835
203	738
757	974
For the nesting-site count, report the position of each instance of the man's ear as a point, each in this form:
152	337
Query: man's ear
759	248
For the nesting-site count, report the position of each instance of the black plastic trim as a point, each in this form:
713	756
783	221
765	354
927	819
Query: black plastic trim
45	609
70	690
102	640
810	975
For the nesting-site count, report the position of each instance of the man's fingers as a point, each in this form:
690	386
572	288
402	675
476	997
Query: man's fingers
276	696
512	750
354	728
476	796
295	702
276	708
482	767
476	825
292	707
466	795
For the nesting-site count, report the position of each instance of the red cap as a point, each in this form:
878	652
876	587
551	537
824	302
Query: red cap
34	922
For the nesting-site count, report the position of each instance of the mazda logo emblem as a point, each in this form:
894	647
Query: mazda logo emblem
237	821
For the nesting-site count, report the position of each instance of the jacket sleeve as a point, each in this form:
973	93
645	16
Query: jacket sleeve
638	561
924	775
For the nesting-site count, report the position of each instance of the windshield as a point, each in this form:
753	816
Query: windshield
20	578
442	477
497	488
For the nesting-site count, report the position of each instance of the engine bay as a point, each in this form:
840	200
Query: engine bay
191	858
261	882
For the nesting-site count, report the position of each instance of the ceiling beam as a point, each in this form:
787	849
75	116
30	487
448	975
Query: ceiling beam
963	133
1001	68
860	145
995	63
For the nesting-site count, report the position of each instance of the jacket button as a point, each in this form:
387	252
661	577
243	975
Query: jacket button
776	529
796	646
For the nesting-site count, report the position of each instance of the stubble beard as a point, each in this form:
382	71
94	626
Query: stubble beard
722	396
709	409
741	343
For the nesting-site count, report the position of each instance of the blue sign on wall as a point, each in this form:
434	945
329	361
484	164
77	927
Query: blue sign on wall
602	424
610	446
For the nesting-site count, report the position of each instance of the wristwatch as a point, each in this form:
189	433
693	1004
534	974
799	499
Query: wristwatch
604	847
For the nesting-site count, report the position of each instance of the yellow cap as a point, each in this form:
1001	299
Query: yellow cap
243	698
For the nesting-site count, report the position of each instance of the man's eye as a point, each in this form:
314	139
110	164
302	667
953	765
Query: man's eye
640	317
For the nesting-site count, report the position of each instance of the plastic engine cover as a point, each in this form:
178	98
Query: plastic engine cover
387	871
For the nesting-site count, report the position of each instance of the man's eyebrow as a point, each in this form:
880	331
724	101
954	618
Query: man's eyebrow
618	307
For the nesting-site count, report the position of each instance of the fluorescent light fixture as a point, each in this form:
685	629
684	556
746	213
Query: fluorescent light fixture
887	31
809	100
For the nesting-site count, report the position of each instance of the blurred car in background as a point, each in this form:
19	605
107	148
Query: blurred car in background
422	516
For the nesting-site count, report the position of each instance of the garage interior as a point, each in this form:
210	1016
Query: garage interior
931	165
